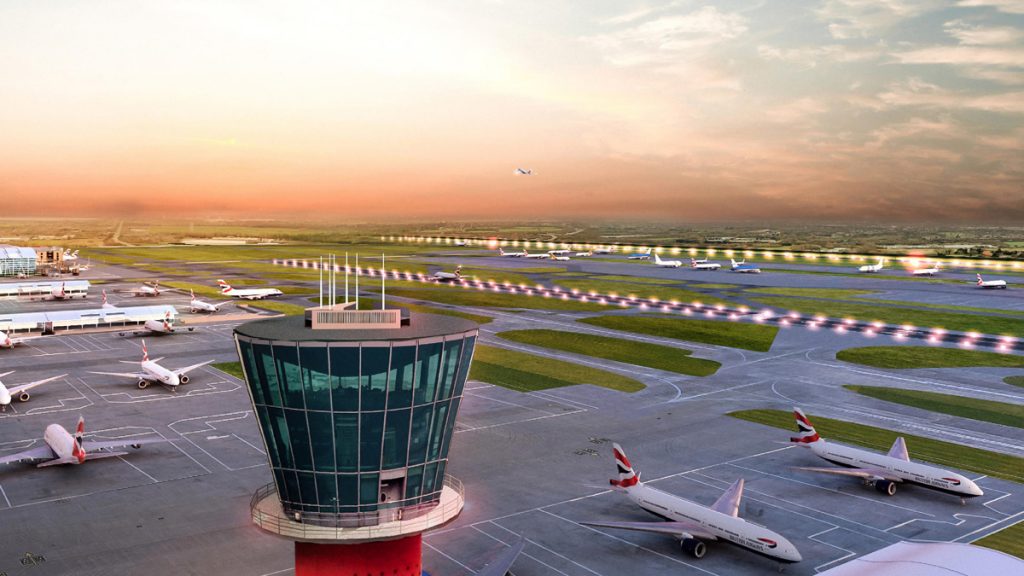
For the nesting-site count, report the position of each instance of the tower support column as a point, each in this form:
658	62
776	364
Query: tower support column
398	557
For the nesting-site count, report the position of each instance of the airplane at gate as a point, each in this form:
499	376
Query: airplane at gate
704	265
873	267
155	328
20	391
197	305
693	524
744	268
247	293
1001	284
151	372
501	252
8	341
63	448
145	290
883	472
666	263
526	254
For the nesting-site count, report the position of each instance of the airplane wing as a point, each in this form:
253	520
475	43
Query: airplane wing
671	528
501	564
108	445
729	502
41	453
15	390
135	375
899	449
23	339
866	473
187	369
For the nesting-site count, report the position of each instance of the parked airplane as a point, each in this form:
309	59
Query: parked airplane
560	258
460	243
991	283
63	448
70	256
884	472
535	256
605	250
155	328
502	562
693	524
153	373
145	290
20	391
247	293
666	263
645	255
58	293
559	252
583	254
107	305
926	271
745	268
523	172
197	305
502	252
8	341
873	267
441	276
704	265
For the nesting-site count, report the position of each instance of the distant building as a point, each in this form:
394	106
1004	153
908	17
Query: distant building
16	260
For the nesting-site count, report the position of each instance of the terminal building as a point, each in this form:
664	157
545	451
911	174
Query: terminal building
15	260
357	410
60	320
33	290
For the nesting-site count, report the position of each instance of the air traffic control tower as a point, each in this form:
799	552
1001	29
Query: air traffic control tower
357	410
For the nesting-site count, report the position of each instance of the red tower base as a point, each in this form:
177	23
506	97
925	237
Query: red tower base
401	557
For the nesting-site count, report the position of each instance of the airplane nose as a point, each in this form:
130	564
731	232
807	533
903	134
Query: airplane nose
973	489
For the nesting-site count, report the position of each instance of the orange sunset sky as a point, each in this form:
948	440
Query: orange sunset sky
834	109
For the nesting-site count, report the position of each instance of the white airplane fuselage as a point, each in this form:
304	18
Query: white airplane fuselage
906	470
731	528
159	374
252	293
705	266
158	326
925	272
61	442
5	395
201	306
528	255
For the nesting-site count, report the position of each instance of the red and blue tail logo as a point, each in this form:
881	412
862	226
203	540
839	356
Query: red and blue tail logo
807	434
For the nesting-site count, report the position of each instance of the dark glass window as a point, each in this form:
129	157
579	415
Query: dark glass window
396	438
268	435
315	377
281	434
414	482
403	363
467	354
428	479
282	486
345	378
307	484
267	374
348	492
429	361
288	371
346	441
369	490
439	480
294	495
421	418
449	429
327	491
299	434
371	430
321	434
374	377
452	352
249	366
436	432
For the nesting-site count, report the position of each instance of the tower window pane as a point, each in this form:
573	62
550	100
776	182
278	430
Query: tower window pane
403	362
371	430
315	377
426	370
288	371
345	378
299	434
346	441
396	438
374	377
421	418
321	434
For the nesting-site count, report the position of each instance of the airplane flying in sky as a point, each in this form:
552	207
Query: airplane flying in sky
154	328
693	524
19	391
704	265
107	305
62	448
873	267
8	341
927	270
441	276
883	472
151	372
247	293
645	255
1000	284
197	305
501	252
535	256
745	268
667	263
523	172
152	289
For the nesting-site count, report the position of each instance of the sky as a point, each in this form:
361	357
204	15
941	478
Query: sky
841	110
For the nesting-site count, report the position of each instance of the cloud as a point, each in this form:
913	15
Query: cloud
862	18
982	35
1008	6
915	92
810	56
963	55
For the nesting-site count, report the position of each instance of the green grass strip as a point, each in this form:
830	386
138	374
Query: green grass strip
1014	380
230	368
900	357
746	336
618	349
488	299
1009	540
943	453
952	404
529	372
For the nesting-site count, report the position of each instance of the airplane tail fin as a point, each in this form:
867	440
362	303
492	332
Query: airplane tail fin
458	271
224	286
693	263
77	452
806	432
192	293
104	296
979	280
657	259
80	428
145	352
627	476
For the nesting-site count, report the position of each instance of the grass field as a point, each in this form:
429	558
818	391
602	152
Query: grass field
896	315
231	368
633	279
1014	380
926	357
1009	540
747	336
282	307
952	404
618	349
713	286
837	293
943	453
529	372
640	290
478	318
489	299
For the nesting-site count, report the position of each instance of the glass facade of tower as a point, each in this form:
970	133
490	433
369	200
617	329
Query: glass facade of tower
357	426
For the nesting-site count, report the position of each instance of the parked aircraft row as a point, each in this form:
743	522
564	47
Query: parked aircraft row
61	447
694	524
